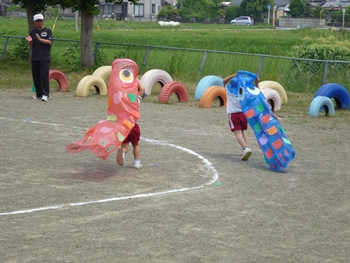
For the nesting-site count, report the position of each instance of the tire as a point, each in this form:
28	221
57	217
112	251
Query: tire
273	98
153	76
210	94
89	81
337	92
276	86
205	83
321	102
60	78
104	72
173	87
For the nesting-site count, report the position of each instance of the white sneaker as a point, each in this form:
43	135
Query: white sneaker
44	98
246	153
137	164
120	156
35	98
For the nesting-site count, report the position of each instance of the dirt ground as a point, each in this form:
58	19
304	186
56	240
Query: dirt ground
194	200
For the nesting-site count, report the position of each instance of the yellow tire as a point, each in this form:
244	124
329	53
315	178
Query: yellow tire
103	72
277	87
88	82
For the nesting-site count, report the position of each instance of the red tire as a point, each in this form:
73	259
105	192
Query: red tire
173	87
210	94
60	78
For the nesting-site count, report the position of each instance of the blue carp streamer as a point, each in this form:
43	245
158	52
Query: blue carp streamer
273	141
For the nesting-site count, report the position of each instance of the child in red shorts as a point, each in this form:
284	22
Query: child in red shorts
237	120
133	138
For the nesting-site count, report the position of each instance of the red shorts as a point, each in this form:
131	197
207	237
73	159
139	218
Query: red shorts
134	135
237	121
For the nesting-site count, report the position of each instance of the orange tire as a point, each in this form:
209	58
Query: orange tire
60	78
173	87
210	94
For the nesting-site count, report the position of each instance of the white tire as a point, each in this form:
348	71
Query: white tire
153	76
277	87
88	82
273	98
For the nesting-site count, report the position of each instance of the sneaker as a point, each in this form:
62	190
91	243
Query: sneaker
120	156
246	153
35	98
137	164
44	98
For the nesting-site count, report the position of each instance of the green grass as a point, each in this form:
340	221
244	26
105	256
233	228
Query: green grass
181	64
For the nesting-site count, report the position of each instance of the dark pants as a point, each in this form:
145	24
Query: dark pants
40	72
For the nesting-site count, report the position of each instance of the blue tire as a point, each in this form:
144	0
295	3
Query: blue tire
321	102
205	83
337	92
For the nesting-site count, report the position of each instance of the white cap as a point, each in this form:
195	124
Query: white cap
38	17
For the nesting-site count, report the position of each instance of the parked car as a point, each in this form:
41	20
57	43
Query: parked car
243	21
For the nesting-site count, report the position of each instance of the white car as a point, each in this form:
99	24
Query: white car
243	21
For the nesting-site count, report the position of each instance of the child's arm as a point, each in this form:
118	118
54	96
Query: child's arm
257	80
228	78
141	88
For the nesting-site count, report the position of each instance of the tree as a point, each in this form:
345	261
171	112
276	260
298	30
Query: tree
232	12
254	8
198	8
297	8
88	8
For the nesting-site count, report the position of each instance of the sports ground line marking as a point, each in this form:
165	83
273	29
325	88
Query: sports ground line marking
209	167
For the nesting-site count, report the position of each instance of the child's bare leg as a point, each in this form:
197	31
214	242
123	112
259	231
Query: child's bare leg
136	151
245	137
241	137
124	148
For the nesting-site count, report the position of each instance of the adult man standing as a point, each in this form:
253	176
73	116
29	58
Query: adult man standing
41	40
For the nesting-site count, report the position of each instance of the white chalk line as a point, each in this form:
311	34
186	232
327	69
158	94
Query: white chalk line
209	167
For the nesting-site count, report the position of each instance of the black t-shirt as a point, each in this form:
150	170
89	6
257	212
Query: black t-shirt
41	51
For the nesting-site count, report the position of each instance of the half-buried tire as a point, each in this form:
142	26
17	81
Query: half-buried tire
273	98
337	92
321	102
210	94
173	87
60	78
153	76
104	72
205	83
88	82
269	84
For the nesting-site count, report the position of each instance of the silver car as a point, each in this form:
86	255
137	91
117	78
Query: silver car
242	21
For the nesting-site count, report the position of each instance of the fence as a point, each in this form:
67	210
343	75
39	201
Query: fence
190	65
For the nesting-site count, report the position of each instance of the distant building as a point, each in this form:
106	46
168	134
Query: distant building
282	6
145	10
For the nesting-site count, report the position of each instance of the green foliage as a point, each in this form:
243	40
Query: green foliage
169	12
20	52
323	49
254	8
297	8
317	12
15	8
199	9
101	59
232	12
72	54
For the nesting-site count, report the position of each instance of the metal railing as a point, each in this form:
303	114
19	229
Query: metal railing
185	64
